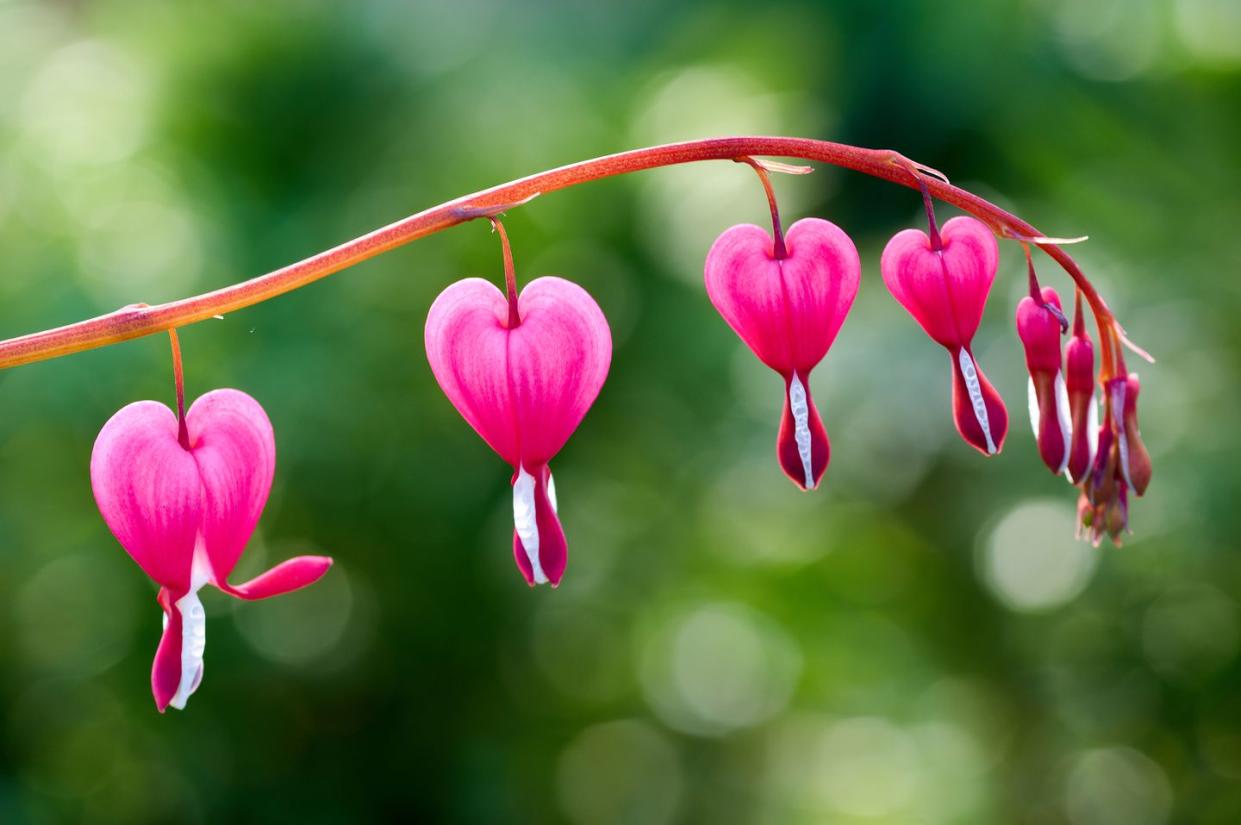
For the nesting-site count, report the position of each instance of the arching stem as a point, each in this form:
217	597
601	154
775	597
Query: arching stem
136	321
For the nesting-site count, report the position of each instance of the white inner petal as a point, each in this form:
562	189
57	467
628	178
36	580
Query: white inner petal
1092	426
193	628
551	492
525	521
1032	397
801	427
974	388
1066	420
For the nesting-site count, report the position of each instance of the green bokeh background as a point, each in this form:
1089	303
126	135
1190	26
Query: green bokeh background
920	641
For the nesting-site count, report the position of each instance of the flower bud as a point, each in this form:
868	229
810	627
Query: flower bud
1038	326
1083	405
1137	461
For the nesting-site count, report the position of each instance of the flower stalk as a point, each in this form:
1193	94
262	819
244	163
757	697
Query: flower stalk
136	321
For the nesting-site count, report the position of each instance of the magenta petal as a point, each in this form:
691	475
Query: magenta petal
166	669
944	291
233	444
524	390
558	360
788	311
467	345
283	578
148	490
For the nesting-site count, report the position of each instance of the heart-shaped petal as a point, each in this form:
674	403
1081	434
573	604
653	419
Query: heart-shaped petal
787	310
524	390
944	290
149	491
232	442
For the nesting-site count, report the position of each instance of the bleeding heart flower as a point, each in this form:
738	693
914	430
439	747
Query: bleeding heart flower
524	387
1083	403
944	287
788	311
1039	328
183	503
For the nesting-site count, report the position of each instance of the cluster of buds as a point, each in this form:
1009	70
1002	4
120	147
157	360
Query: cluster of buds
1121	463
1106	461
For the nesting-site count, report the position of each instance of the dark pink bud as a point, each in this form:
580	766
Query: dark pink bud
1083	404
1100	483
1136	459
945	290
788	311
1039	328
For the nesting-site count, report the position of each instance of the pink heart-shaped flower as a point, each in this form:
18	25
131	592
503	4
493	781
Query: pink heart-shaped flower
523	389
788	311
945	291
185	516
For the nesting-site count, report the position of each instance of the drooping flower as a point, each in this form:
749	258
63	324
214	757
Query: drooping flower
183	498
524	387
788	310
1083	403
944	287
1039	329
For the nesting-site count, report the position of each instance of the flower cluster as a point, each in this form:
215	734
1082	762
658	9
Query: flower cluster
183	492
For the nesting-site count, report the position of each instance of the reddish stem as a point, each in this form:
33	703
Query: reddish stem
137	321
937	243
777	229
510	275
1036	292
178	377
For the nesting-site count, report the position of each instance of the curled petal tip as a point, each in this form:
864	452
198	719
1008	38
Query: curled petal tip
292	574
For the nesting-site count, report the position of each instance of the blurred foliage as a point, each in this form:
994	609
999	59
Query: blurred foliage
918	642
